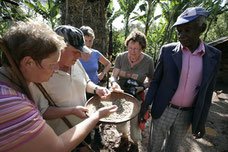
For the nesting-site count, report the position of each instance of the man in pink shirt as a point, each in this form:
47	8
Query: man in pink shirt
183	83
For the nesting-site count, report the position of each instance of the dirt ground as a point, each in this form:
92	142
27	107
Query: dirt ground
215	140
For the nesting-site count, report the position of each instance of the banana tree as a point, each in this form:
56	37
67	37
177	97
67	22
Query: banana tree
215	8
147	18
11	11
126	8
154	40
49	10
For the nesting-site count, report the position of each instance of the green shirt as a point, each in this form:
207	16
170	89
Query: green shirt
139	72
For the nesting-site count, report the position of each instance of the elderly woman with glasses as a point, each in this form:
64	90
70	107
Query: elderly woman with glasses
132	71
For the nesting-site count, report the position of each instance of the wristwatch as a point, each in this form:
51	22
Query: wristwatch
95	90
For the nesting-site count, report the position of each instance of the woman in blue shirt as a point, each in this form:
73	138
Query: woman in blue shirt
91	66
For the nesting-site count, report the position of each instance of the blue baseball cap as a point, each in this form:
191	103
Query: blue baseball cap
190	14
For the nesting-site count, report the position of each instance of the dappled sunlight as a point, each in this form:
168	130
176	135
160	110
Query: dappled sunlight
216	135
197	145
218	104
220	114
204	142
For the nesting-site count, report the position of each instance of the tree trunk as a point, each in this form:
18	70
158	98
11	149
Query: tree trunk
88	12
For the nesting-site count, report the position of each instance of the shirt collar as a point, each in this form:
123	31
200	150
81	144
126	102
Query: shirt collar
200	50
61	72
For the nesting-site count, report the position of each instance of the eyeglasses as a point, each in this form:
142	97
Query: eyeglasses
134	49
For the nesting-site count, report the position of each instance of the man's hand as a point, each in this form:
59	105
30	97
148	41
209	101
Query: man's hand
142	113
103	92
79	111
200	133
115	87
106	111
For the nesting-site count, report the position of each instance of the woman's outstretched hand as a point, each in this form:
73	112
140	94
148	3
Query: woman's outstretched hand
106	111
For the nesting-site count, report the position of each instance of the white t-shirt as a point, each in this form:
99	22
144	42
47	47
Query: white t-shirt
66	90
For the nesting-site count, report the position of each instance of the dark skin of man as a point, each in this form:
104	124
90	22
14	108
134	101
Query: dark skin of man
189	34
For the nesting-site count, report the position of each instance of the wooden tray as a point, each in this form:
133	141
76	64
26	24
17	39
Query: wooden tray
128	107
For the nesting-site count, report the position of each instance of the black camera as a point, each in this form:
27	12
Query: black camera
130	85
132	90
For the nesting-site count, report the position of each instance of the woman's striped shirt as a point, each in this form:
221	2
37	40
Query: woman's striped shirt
20	120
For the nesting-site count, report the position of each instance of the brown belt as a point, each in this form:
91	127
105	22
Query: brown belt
180	108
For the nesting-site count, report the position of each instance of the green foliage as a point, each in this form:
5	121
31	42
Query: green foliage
154	40
48	10
118	43
136	26
10	12
14	11
215	8
126	8
147	18
161	33
219	28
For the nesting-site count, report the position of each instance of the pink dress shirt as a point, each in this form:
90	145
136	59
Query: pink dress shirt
191	76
